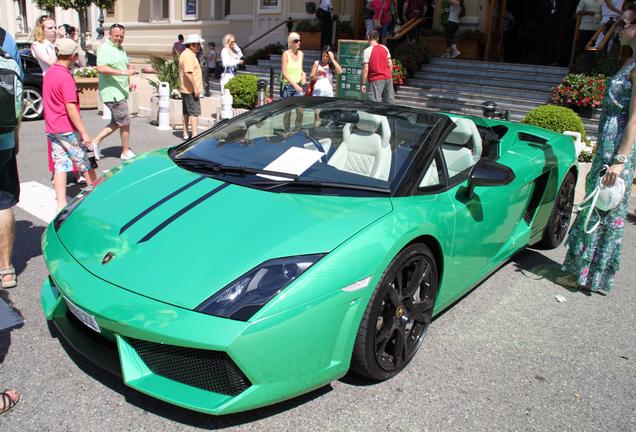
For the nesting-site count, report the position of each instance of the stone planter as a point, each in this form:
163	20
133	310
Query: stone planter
87	92
309	40
470	49
176	111
133	103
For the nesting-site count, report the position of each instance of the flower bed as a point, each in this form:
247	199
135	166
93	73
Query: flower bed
85	72
399	73
580	91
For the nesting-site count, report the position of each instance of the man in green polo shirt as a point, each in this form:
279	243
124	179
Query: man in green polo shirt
114	79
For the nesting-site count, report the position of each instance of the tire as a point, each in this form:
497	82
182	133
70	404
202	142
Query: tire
398	315
559	221
33	106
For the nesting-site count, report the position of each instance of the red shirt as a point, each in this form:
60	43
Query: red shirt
58	88
377	56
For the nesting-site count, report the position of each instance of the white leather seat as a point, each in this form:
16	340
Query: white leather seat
457	147
365	147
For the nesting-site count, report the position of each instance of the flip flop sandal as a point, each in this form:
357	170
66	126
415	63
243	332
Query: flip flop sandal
8	401
8	271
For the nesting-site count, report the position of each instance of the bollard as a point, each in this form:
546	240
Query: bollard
164	106
261	85
226	105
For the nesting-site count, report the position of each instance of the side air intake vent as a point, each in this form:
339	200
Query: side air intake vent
524	136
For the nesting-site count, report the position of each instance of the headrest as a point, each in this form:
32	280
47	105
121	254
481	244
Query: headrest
462	133
368	122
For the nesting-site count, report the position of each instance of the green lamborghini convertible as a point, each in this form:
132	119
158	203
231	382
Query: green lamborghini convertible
294	243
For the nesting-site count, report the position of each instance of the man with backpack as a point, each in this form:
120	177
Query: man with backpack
11	76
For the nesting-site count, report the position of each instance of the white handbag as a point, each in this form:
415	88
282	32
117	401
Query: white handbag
603	198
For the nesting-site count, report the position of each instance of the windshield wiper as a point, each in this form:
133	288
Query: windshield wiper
217	168
273	184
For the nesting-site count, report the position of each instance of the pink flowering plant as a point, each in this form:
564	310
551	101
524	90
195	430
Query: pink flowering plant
399	73
580	91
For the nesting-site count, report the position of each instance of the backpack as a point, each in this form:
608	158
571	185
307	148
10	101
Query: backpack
10	90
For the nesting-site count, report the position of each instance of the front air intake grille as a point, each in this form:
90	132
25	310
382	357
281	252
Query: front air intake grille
208	370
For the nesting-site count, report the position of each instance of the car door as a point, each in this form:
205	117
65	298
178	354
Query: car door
486	222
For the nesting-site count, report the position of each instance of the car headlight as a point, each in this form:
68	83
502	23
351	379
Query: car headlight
245	296
73	203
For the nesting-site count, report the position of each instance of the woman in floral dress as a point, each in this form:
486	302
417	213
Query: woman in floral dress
593	259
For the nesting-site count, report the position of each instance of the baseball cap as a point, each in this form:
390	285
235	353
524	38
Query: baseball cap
66	46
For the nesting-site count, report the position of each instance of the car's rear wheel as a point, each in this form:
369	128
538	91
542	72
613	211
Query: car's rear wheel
398	314
559	221
33	106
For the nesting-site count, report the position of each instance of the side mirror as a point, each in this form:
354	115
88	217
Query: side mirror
488	173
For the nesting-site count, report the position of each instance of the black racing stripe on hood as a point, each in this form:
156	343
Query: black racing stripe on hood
178	214
158	203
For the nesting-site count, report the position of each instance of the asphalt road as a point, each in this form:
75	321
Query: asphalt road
507	357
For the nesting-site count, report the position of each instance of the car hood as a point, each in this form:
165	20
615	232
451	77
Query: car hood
178	237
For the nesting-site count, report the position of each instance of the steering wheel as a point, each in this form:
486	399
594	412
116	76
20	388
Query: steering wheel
319	146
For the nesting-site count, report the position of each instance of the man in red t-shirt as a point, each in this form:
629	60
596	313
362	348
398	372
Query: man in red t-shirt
63	122
377	69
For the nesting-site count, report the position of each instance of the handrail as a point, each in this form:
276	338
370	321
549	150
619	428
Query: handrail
609	33
289	23
406	28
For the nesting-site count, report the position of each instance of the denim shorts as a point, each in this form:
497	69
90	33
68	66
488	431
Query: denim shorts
288	90
66	149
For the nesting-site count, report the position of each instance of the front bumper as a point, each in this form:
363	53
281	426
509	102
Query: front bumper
152	344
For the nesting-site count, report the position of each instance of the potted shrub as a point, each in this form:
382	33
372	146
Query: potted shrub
471	43
412	55
555	118
244	92
167	71
344	30
87	83
309	32
583	93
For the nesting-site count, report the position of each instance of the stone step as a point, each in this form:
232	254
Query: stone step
478	89
421	79
512	67
519	76
480	93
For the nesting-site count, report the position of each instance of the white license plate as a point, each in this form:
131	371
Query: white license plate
84	317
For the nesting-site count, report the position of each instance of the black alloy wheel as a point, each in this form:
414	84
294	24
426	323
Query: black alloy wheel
559	221
398	314
33	107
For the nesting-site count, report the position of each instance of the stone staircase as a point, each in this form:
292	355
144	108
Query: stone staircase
460	86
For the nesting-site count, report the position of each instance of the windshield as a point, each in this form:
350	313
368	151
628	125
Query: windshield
312	145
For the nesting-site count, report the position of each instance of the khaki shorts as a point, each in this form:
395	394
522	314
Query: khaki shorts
119	113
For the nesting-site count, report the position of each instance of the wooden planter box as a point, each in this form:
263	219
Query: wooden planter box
87	91
309	40
470	49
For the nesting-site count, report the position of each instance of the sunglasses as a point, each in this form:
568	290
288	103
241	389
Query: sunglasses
119	26
621	24
43	18
232	41
296	41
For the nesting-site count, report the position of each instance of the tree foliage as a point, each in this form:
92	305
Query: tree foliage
73	4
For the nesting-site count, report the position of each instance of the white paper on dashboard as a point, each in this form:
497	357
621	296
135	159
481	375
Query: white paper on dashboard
295	160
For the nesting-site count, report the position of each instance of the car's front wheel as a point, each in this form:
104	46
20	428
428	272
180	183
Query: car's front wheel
398	314
33	106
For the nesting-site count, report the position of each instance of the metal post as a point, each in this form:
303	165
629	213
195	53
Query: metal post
271	83
261	85
334	28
